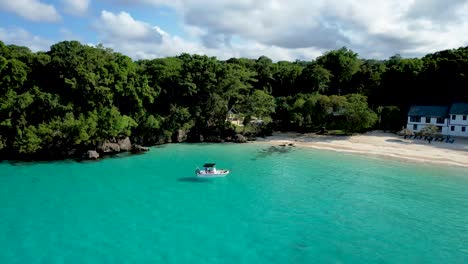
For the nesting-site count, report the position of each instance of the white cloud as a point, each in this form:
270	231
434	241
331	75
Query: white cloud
21	37
76	7
33	10
139	40
123	27
372	28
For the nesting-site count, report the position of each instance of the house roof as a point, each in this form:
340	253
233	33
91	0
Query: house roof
459	109
428	110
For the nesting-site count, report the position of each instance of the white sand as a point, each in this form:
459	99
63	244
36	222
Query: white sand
381	144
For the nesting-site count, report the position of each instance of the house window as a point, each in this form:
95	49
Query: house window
452	128
415	127
463	129
453	117
464	118
428	120
415	119
440	120
439	129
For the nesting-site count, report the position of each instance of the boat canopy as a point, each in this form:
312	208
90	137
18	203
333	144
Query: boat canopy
209	165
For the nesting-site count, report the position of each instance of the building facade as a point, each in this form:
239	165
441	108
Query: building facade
450	120
458	120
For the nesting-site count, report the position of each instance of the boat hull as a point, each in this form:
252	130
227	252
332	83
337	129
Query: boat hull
212	175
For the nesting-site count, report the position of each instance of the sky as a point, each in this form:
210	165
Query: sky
279	29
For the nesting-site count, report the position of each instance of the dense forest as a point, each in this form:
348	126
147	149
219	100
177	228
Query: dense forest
74	97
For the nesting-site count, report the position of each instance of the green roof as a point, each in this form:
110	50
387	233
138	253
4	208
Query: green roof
459	109
431	111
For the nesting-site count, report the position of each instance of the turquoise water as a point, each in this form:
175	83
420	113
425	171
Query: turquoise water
301	206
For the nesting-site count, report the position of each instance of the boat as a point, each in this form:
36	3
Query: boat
209	171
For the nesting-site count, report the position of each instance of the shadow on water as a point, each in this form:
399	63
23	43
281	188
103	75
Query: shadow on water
32	162
193	179
283	149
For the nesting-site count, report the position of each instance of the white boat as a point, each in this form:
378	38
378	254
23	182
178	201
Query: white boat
209	171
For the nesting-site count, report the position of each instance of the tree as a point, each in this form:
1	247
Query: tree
430	130
76	96
27	141
391	118
258	104
311	111
358	115
286	77
342	64
263	66
315	79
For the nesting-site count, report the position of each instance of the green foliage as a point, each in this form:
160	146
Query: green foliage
391	118
430	130
315	78
259	104
112	124
311	111
358	115
75	95
27	141
342	64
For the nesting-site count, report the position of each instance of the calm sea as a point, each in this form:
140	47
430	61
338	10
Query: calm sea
279	205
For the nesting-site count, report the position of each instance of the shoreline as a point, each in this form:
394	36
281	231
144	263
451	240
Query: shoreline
380	144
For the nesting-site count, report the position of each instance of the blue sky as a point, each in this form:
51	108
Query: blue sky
281	30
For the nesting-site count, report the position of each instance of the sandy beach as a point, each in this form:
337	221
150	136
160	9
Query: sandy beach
381	144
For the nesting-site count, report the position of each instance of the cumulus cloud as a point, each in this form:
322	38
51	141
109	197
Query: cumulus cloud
372	28
139	39
21	37
76	7
122	27
33	10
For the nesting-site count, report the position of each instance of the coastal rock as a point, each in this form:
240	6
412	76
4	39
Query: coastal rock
180	136
108	147
91	155
163	140
139	149
215	139
201	138
71	152
238	138
124	144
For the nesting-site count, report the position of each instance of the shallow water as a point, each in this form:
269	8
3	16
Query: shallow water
277	206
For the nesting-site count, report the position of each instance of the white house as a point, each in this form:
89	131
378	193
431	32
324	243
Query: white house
421	116
458	123
234	117
451	121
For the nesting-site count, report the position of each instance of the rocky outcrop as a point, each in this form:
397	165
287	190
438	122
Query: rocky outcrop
214	139
238	138
71	152
91	155
180	136
124	144
139	149
108	147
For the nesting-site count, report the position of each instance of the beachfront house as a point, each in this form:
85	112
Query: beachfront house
458	123
420	116
234	117
450	120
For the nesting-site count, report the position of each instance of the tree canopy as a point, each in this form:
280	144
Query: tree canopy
76	96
